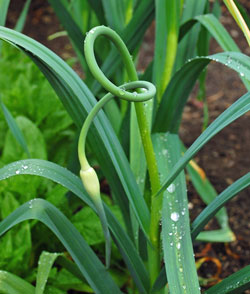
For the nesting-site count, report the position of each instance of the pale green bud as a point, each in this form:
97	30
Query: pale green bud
91	182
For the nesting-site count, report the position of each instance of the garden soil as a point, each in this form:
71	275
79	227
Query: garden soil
224	159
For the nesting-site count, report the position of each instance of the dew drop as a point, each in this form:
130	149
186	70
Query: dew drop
17	172
178	245
121	92
171	188
242	74
92	31
175	216
164	151
30	204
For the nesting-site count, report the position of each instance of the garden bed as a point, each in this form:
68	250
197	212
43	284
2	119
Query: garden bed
224	159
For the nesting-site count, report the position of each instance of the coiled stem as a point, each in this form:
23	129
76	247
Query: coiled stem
140	95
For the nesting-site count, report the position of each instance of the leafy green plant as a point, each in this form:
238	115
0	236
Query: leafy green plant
154	208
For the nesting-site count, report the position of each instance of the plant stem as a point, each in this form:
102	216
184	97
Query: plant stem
153	249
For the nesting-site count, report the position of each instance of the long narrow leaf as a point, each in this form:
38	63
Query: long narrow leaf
187	46
78	101
10	283
168	117
234	284
219	202
177	244
45	263
240	107
208	194
114	13
74	32
4	5
217	30
16	132
67	179
90	266
22	18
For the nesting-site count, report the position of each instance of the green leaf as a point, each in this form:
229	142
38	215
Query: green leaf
11	284
74	32
18	135
22	18
177	244
96	5
88	224
243	12
168	117
216	29
234	284
88	263
45	263
114	14
67	281
67	179
167	29
15	246
187	46
78	101
207	193
219	202
34	143
4	5
237	109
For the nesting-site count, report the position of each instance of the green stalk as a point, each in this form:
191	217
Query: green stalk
154	256
87	173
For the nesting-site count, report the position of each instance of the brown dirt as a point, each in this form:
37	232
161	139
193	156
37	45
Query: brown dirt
225	158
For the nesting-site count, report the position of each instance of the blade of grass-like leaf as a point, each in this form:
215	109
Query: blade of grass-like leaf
243	12
10	283
132	36
234	284
67	179
78	101
222	235
219	202
166	41
16	132
96	5
88	263
114	13
177	244
169	114
238	18
237	109
161	281
45	263
186	48
22	18
223	38
208	194
4	5
216	29
74	32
